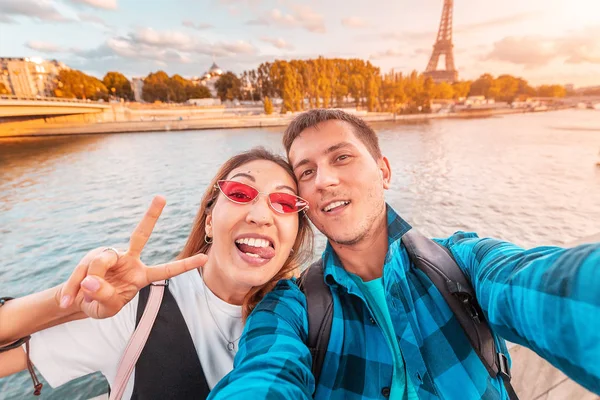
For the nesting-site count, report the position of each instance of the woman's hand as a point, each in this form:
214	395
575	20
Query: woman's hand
105	281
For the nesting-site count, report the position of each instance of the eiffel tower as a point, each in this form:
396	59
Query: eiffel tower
443	46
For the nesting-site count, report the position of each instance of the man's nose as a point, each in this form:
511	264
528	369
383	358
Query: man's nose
325	178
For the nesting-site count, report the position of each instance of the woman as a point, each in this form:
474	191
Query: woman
253	231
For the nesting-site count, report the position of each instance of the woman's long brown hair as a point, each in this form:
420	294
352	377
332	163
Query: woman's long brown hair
304	241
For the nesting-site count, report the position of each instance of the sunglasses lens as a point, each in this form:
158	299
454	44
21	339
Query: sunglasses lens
238	192
286	203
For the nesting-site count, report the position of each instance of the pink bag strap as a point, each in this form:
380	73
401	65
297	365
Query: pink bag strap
138	340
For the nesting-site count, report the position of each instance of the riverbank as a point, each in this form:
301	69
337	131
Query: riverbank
173	123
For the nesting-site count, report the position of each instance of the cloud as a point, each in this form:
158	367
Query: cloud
354	22
251	3
302	16
390	53
84	17
43	10
5	19
101	4
422	51
199	26
278	43
529	51
429	36
43	47
536	51
580	47
495	22
163	46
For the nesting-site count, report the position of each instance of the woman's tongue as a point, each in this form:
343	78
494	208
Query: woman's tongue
262	252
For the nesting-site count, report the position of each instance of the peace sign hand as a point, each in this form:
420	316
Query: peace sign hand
104	282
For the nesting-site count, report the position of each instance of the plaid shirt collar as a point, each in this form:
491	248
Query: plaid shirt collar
333	269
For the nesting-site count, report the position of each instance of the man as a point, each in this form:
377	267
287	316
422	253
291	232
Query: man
392	334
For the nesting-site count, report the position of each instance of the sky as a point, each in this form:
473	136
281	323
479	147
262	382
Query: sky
543	41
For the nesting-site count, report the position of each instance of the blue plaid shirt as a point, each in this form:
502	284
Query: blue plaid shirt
545	298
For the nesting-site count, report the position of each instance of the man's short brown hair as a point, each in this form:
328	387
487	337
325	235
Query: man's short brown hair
312	118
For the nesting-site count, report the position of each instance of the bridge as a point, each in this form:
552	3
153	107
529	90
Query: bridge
18	107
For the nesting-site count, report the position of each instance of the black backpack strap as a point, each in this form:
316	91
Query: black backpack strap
320	314
437	263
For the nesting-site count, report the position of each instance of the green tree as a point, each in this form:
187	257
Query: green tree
268	106
228	86
118	85
4	89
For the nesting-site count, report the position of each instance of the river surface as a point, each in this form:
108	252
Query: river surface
529	178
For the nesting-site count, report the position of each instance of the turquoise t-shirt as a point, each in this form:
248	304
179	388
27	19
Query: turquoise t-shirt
374	293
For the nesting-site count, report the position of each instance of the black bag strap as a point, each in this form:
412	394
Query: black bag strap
320	314
439	265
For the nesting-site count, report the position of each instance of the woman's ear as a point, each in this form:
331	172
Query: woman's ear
208	229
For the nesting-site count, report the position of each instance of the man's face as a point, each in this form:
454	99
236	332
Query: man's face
342	182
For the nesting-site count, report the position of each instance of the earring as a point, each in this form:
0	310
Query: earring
206	237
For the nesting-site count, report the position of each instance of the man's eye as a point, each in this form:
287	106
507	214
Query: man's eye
342	157
306	173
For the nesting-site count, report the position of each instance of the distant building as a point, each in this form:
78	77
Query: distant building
570	87
29	77
209	79
137	86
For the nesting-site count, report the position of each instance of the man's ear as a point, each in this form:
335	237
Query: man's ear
386	171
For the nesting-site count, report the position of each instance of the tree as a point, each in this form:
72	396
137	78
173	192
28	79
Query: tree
461	89
156	87
482	86
268	106
74	84
442	90
118	85
178	88
197	92
228	86
551	91
3	89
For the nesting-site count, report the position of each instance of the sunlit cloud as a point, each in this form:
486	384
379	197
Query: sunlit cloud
198	26
302	16
101	4
43	47
42	10
537	51
354	22
390	53
278	43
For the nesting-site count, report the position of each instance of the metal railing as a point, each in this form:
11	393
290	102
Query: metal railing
53	99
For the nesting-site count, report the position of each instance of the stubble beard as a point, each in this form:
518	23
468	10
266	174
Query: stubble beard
364	230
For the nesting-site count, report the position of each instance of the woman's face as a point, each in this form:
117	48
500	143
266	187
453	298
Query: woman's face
251	242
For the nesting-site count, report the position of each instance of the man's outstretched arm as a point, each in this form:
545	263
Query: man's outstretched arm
272	362
544	298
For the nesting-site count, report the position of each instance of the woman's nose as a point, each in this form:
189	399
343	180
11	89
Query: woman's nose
260	212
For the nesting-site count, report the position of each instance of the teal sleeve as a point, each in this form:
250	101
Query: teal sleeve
272	362
544	298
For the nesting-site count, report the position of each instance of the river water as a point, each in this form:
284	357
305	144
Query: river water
529	178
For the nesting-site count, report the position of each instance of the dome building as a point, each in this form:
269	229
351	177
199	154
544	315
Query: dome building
210	78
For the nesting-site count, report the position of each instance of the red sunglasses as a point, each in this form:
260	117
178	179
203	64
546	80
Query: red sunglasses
241	193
